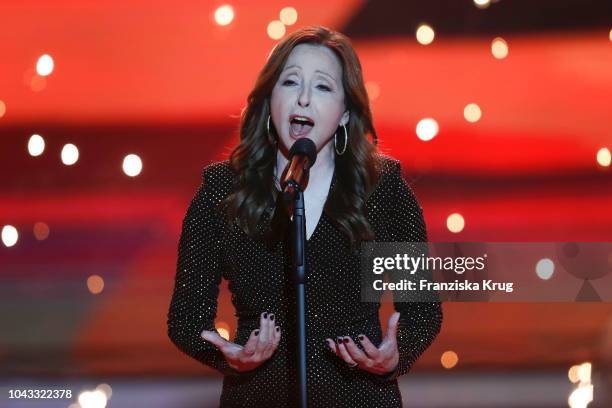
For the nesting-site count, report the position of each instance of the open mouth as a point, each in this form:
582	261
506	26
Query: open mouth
300	126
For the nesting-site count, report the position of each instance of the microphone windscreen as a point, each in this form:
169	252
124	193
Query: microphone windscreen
306	147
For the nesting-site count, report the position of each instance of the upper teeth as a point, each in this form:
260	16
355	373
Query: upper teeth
301	118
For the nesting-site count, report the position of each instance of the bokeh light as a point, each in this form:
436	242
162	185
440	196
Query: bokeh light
482	4
276	30
224	15
545	268
581	396
45	65
95	284
499	48
472	113
132	165
584	372
288	16
2	108
425	34
603	157
36	145
10	236
455	223
106	389
92	399
427	129
41	231
572	373
449	359
70	154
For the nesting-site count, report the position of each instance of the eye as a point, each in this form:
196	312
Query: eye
288	82
325	88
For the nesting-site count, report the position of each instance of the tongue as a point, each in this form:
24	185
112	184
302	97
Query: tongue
299	129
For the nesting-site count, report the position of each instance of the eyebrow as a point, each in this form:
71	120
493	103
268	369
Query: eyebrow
318	70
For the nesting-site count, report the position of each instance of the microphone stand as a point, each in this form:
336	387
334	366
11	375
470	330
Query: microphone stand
299	263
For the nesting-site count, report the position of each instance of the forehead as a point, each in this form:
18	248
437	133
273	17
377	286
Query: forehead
311	57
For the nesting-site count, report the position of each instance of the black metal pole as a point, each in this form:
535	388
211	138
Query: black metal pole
299	259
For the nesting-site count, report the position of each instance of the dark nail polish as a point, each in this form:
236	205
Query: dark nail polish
277	328
339	340
346	340
361	337
271	316
256	332
265	316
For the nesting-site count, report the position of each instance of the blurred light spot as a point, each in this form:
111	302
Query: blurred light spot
92	399
44	66
499	48
584	372
132	165
288	16
603	157
545	268
223	333
41	231
70	154
449	359
276	30
425	34
373	90
9	235
224	15
610	35
223	329
472	113
2	108
36	145
581	396
427	129
572	373
222	325
37	83
106	389
95	284
482	4
455	223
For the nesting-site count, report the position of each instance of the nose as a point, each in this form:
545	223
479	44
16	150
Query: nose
304	98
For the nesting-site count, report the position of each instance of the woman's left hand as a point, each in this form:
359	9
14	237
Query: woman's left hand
377	360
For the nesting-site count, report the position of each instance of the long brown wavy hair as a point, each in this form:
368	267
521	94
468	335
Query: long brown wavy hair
254	158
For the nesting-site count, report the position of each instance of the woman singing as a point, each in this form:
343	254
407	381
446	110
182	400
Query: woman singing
311	86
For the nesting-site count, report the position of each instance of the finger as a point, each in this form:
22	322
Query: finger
392	327
214	338
277	337
251	344
332	345
271	335
264	334
344	354
370	349
354	351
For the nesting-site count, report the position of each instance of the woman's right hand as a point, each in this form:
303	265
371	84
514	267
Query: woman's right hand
262	343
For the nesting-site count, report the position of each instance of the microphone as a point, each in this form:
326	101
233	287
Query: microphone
302	156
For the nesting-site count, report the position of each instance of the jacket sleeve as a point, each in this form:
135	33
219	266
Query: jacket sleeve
419	322
193	307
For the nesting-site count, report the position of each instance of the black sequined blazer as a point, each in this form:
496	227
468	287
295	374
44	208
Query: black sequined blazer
259	280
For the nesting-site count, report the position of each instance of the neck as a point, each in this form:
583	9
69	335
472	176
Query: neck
320	171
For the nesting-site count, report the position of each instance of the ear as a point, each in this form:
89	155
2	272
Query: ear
345	117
